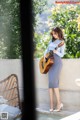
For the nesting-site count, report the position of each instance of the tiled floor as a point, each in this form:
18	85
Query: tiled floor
75	116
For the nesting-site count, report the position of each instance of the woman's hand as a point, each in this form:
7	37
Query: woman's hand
54	51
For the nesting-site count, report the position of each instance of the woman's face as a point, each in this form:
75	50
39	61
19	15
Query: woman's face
55	35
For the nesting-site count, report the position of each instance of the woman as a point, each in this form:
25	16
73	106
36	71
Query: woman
54	71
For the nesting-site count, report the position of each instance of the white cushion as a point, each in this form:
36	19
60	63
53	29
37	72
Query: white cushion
12	111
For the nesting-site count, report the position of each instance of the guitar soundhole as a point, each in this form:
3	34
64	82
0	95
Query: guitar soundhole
46	59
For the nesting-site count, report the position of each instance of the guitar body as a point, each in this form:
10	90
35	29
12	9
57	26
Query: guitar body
45	65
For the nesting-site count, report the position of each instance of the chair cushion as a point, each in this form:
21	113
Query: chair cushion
12	111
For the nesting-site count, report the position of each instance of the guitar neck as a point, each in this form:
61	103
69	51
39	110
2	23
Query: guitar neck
59	45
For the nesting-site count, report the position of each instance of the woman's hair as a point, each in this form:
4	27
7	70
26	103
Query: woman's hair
59	31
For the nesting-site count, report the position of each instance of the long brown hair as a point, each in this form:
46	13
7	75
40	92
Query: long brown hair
59	31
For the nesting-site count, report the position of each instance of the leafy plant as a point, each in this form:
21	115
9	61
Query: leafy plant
10	39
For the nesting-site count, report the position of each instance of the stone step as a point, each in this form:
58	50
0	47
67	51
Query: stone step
63	113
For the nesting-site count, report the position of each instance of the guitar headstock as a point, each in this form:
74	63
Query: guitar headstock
62	43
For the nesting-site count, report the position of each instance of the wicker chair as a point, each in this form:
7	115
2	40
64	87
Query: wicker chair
9	89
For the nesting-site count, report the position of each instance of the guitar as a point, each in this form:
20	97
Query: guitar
45	65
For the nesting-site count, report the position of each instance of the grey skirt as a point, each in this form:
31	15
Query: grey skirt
54	72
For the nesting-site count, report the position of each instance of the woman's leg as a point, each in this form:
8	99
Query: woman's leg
51	97
57	96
